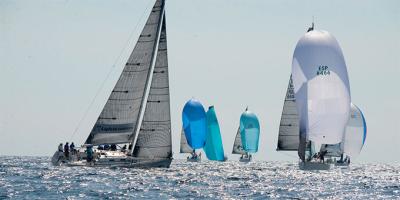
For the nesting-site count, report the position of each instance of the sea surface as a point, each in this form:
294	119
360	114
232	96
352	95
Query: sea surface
36	178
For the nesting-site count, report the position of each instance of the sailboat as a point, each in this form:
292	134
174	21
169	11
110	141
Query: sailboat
213	147
354	136
321	97
194	130
137	112
247	136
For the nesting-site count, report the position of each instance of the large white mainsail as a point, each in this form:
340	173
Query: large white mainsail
120	117
321	88
237	145
288	139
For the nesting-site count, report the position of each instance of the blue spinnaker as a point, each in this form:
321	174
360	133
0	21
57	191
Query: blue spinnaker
213	148
194	123
250	131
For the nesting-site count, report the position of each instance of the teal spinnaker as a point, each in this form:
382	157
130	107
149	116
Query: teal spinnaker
250	131
213	148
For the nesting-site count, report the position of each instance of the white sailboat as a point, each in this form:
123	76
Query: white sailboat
319	90
354	137
137	113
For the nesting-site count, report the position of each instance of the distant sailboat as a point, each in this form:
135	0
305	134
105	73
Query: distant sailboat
356	132
194	129
137	113
213	147
247	137
354	136
322	98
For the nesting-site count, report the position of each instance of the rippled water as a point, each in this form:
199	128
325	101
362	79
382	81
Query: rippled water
35	178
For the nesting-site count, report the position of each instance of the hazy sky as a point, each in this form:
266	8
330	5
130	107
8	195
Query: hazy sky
55	55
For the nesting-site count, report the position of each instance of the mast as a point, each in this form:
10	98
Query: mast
134	137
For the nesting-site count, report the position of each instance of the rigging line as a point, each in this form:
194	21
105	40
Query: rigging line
109	72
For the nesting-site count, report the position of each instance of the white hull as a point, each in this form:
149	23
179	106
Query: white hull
117	159
315	166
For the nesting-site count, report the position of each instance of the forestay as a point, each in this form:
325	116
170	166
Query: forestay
120	115
288	139
321	87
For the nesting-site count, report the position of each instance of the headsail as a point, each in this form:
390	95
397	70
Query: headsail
355	134
154	138
184	147
288	139
213	147
237	145
120	116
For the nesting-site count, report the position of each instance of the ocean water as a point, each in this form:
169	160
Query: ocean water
36	178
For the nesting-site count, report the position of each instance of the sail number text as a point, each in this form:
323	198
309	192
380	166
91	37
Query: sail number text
323	70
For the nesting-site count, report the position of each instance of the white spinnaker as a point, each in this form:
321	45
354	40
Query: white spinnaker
355	132
184	148
237	145
321	86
